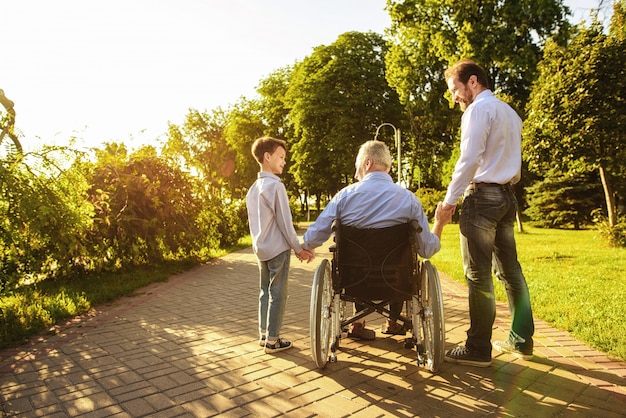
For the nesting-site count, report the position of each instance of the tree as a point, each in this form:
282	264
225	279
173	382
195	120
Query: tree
505	37
576	112
273	90
203	147
245	123
337	97
200	146
275	114
564	201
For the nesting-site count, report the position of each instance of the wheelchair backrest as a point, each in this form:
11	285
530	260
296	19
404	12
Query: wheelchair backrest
375	264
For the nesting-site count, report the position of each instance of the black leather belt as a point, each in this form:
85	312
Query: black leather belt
476	186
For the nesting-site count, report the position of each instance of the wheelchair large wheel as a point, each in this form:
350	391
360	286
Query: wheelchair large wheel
321	314
432	318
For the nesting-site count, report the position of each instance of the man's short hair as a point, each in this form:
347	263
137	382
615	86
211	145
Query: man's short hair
464	69
377	151
266	144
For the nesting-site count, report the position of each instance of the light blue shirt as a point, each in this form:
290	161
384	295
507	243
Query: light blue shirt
269	216
491	146
374	202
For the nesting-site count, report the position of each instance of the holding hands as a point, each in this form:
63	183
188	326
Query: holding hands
444	213
306	255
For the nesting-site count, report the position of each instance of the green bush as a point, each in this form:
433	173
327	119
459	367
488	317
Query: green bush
146	208
614	235
429	199
233	221
44	221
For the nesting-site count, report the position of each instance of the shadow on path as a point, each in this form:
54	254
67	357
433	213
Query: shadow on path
188	348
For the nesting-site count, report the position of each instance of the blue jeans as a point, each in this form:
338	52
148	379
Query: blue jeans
274	283
488	242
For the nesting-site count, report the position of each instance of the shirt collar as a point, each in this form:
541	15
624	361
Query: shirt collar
484	94
267	174
377	175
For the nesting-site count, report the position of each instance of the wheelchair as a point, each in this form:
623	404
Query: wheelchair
371	268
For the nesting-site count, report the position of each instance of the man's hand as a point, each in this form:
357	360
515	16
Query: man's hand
447	207
444	213
443	216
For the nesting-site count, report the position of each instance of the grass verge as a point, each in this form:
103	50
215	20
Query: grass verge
32	309
576	281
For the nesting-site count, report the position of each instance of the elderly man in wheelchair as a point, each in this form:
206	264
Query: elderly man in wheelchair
380	229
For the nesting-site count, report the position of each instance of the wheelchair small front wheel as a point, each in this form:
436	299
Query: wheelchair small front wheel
321	314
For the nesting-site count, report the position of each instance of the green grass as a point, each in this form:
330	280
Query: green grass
577	283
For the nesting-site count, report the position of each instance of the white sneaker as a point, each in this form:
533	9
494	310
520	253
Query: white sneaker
507	347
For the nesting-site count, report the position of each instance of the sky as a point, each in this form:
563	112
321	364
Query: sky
120	70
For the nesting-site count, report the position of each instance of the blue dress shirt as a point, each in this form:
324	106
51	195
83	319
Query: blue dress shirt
374	202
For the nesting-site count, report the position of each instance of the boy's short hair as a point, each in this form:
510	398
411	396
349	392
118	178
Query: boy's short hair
266	144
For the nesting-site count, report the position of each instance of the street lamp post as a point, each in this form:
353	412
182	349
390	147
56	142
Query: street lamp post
396	132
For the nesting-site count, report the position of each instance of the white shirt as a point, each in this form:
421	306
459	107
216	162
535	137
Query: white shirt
491	138
269	215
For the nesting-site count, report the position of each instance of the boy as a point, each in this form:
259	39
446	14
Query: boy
273	237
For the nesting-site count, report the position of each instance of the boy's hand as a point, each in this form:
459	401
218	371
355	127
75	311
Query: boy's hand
306	255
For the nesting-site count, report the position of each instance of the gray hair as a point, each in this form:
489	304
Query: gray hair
377	151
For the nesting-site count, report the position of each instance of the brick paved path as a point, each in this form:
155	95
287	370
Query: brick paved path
188	348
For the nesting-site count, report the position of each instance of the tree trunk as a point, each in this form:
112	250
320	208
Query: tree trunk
306	205
610	199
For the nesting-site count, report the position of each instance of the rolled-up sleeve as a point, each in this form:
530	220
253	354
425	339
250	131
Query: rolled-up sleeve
429	243
319	231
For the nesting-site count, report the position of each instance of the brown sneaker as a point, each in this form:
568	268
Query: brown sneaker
393	328
359	332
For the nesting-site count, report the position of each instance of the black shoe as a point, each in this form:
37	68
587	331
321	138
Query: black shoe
279	345
463	355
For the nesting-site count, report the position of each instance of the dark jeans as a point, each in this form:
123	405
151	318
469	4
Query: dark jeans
488	242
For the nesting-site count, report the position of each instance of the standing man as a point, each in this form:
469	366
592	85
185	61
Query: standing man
490	163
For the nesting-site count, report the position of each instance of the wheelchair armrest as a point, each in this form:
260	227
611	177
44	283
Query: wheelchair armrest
415	226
